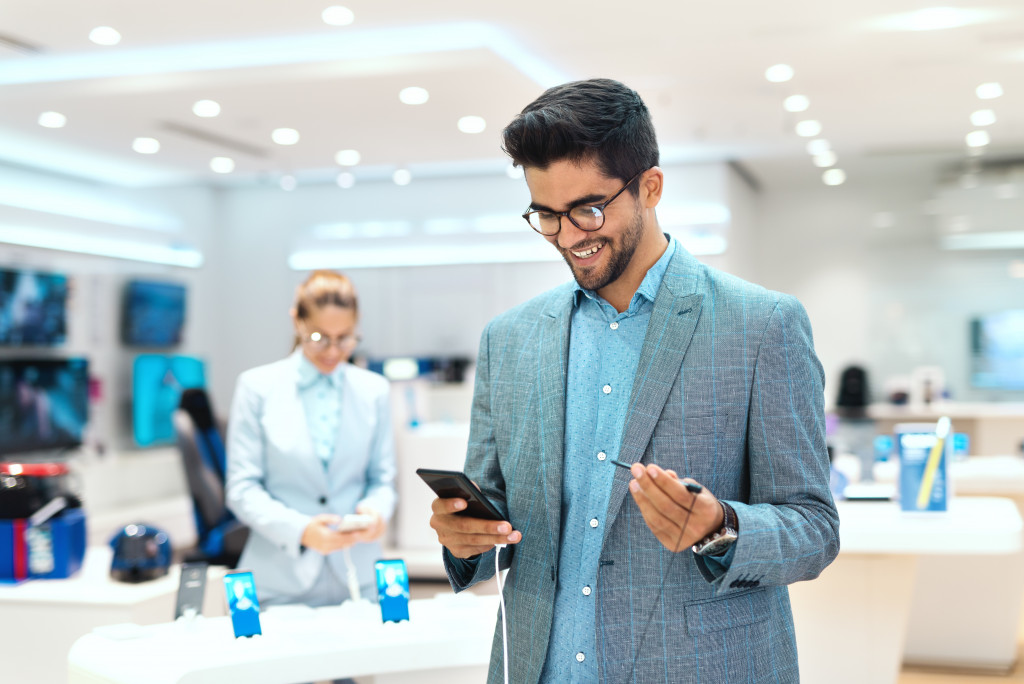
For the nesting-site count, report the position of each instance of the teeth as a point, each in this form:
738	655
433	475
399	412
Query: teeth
589	252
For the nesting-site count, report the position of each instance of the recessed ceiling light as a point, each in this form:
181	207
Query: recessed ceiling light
288	182
338	16
348	157
514	172
52	120
989	91
206	108
472	124
796	103
983	117
285	136
808	128
978	139
402	177
104	35
222	164
834	177
780	73
146	145
818	146
825	159
345	180
414	95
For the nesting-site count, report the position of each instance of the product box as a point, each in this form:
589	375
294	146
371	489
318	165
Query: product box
925	450
53	550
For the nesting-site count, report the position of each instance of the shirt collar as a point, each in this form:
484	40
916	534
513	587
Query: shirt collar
308	374
648	287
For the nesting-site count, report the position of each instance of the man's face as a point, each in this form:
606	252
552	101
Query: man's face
596	258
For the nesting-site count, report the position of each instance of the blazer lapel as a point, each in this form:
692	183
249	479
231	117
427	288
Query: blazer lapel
676	311
552	364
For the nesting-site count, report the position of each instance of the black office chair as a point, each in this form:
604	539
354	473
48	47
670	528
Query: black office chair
201	441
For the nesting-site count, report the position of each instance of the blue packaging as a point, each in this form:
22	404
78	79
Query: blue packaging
392	590
53	550
924	465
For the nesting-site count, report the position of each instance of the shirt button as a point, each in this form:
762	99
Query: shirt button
593	522
601	456
614	325
580	657
607	389
586	591
323	500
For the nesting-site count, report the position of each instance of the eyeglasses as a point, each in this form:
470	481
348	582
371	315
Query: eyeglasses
322	342
588	217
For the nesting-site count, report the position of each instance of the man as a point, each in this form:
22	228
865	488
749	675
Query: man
706	386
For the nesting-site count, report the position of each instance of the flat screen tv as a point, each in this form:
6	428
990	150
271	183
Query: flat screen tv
153	314
44	404
33	307
997	350
157	384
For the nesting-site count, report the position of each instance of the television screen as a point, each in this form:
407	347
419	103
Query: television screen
154	313
157	383
32	307
997	350
44	403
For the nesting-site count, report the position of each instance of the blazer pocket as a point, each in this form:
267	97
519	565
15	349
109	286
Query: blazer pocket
704	425
736	610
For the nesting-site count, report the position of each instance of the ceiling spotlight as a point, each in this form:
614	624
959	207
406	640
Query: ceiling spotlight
285	136
222	164
206	108
104	35
347	157
402	177
472	124
413	95
780	73
983	117
808	128
338	16
825	159
989	91
146	145
796	103
978	139
834	177
818	146
52	120
514	172
345	180
288	182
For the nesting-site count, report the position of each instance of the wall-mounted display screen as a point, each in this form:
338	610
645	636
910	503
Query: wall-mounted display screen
44	403
33	307
997	350
153	314
157	384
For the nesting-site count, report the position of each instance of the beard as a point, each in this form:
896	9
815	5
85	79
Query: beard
620	253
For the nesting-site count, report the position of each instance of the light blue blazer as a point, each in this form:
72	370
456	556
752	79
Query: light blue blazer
276	482
728	391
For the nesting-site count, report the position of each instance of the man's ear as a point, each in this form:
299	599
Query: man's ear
651	185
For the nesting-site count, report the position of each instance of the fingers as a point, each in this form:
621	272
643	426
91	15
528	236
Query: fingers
464	536
672	512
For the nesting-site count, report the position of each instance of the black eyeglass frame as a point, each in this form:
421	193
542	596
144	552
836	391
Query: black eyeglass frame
323	342
567	214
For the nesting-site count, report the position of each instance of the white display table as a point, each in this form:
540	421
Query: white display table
851	622
993	427
447	640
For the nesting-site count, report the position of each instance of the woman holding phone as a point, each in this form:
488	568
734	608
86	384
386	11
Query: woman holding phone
309	443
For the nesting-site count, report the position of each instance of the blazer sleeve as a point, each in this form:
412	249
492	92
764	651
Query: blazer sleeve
246	495
789	529
380	471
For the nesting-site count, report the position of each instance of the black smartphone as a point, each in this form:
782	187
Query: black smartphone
451	484
191	589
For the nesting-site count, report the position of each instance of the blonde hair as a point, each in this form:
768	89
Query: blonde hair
324	288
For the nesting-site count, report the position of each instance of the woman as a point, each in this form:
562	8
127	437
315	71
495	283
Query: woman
309	441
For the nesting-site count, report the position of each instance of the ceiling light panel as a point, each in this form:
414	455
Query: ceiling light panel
983	117
105	35
52	120
206	108
285	136
796	103
414	95
338	15
780	73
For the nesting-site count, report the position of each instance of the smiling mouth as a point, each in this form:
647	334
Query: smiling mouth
584	254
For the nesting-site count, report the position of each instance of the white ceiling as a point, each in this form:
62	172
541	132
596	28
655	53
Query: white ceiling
699	65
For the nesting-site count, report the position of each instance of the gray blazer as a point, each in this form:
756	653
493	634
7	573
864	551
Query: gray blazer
276	483
728	391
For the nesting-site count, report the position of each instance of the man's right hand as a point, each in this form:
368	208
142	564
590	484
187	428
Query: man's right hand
465	537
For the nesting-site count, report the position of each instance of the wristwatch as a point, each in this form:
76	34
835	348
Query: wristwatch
718	542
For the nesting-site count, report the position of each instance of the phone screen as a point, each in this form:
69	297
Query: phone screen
392	590
191	588
242	603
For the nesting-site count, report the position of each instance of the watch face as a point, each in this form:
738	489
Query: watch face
718	545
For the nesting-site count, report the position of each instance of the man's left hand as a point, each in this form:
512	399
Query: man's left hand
668	507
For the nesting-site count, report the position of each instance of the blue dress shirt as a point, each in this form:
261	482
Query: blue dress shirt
321	402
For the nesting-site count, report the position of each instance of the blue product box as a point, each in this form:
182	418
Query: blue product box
924	466
52	550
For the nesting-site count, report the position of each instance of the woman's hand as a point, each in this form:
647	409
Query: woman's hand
321	536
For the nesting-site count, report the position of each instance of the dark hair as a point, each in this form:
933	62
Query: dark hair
324	288
599	120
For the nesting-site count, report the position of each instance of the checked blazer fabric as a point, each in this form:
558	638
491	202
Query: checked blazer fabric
728	391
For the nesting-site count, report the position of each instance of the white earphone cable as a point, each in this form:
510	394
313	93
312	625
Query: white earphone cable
501	599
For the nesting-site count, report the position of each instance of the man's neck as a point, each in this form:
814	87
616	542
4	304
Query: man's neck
620	292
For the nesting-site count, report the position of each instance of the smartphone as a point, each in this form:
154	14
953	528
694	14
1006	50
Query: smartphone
392	590
450	484
354	521
191	589
242	603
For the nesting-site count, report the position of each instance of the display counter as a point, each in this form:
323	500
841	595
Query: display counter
993	428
